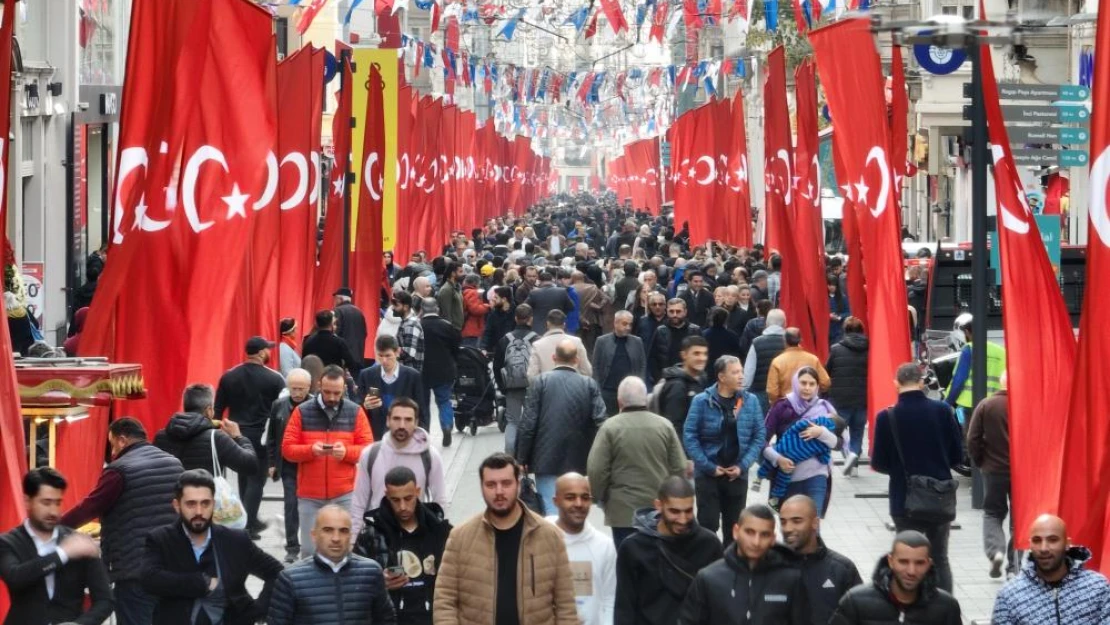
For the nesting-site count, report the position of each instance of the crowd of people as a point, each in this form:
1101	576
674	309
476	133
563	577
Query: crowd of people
633	372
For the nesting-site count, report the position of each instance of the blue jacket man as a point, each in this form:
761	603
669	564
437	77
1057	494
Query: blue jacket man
723	436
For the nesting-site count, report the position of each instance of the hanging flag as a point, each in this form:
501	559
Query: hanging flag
591	29
509	29
808	226
329	271
308	14
738	195
1083	497
437	12
578	18
899	118
851	75
366	259
659	21
857	294
691	15
615	15
771	15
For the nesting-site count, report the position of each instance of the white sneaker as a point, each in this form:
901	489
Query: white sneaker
850	463
997	560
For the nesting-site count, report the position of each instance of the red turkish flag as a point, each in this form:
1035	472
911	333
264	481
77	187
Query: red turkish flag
329	271
614	14
778	158
857	294
899	116
695	153
738	195
207	161
1083	497
366	260
808	227
299	182
851	74
1040	345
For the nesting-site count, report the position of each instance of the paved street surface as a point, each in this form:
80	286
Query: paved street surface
855	526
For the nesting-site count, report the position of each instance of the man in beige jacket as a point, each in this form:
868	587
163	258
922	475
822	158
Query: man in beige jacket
542	358
507	565
781	375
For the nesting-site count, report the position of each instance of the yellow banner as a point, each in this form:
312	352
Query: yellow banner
386	60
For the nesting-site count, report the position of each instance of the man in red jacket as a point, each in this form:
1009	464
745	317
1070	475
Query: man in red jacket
325	436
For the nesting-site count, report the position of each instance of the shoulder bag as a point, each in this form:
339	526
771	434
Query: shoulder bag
927	499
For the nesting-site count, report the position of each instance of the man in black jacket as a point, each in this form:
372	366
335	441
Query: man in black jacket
350	325
47	567
441	350
682	383
407	537
247	392
327	345
903	589
334	585
667	342
757	582
189	436
299	384
827	575
616	356
387	379
656	564
547	297
698	298
197	570
847	367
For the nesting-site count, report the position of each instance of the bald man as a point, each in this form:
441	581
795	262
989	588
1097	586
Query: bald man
827	575
1053	586
593	558
562	413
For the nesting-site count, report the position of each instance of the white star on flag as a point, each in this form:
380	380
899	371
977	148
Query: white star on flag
236	202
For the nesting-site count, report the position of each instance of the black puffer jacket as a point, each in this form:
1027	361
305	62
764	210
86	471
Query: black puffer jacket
678	391
827	576
871	604
562	413
730	591
188	437
309	592
847	366
654	572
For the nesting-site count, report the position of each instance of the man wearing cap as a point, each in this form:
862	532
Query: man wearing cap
350	325
288	358
246	392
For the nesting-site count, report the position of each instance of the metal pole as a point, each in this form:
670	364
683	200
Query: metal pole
980	276
348	176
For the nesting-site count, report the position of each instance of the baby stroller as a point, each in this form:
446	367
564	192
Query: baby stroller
477	401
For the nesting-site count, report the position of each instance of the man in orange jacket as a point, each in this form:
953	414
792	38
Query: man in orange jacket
325	436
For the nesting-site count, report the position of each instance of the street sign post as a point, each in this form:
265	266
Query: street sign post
1048	93
1048	134
1045	113
1064	158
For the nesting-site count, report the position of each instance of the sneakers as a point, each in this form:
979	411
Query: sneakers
447	437
997	560
850	463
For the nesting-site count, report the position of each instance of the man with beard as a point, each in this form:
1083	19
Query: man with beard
478	580
407	537
656	564
246	393
666	345
299	384
198	571
410	334
827	575
756	582
593	559
47	567
1053	586
903	589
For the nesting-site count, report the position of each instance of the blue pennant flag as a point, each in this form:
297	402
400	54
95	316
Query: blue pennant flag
509	29
641	13
771	14
807	13
596	87
429	60
425	5
470	14
350	10
864	5
670	74
294	2
405	41
578	18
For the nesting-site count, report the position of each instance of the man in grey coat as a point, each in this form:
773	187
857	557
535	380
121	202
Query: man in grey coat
617	355
632	455
562	412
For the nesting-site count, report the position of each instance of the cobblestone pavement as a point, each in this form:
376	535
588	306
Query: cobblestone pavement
856	526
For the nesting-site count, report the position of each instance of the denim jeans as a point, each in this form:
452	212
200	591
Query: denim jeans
307	509
937	533
514	409
134	606
442	396
856	419
545	487
816	488
292	517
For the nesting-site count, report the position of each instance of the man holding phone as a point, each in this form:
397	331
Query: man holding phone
387	379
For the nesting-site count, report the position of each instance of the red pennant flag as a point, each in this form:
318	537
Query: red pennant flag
584	88
329	271
691	16
591	28
659	21
809	227
614	14
436	14
739	8
1083	498
366	260
1040	345
738	199
451	38
309	14
851	74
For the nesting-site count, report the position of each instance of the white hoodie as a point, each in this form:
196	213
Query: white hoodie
593	564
